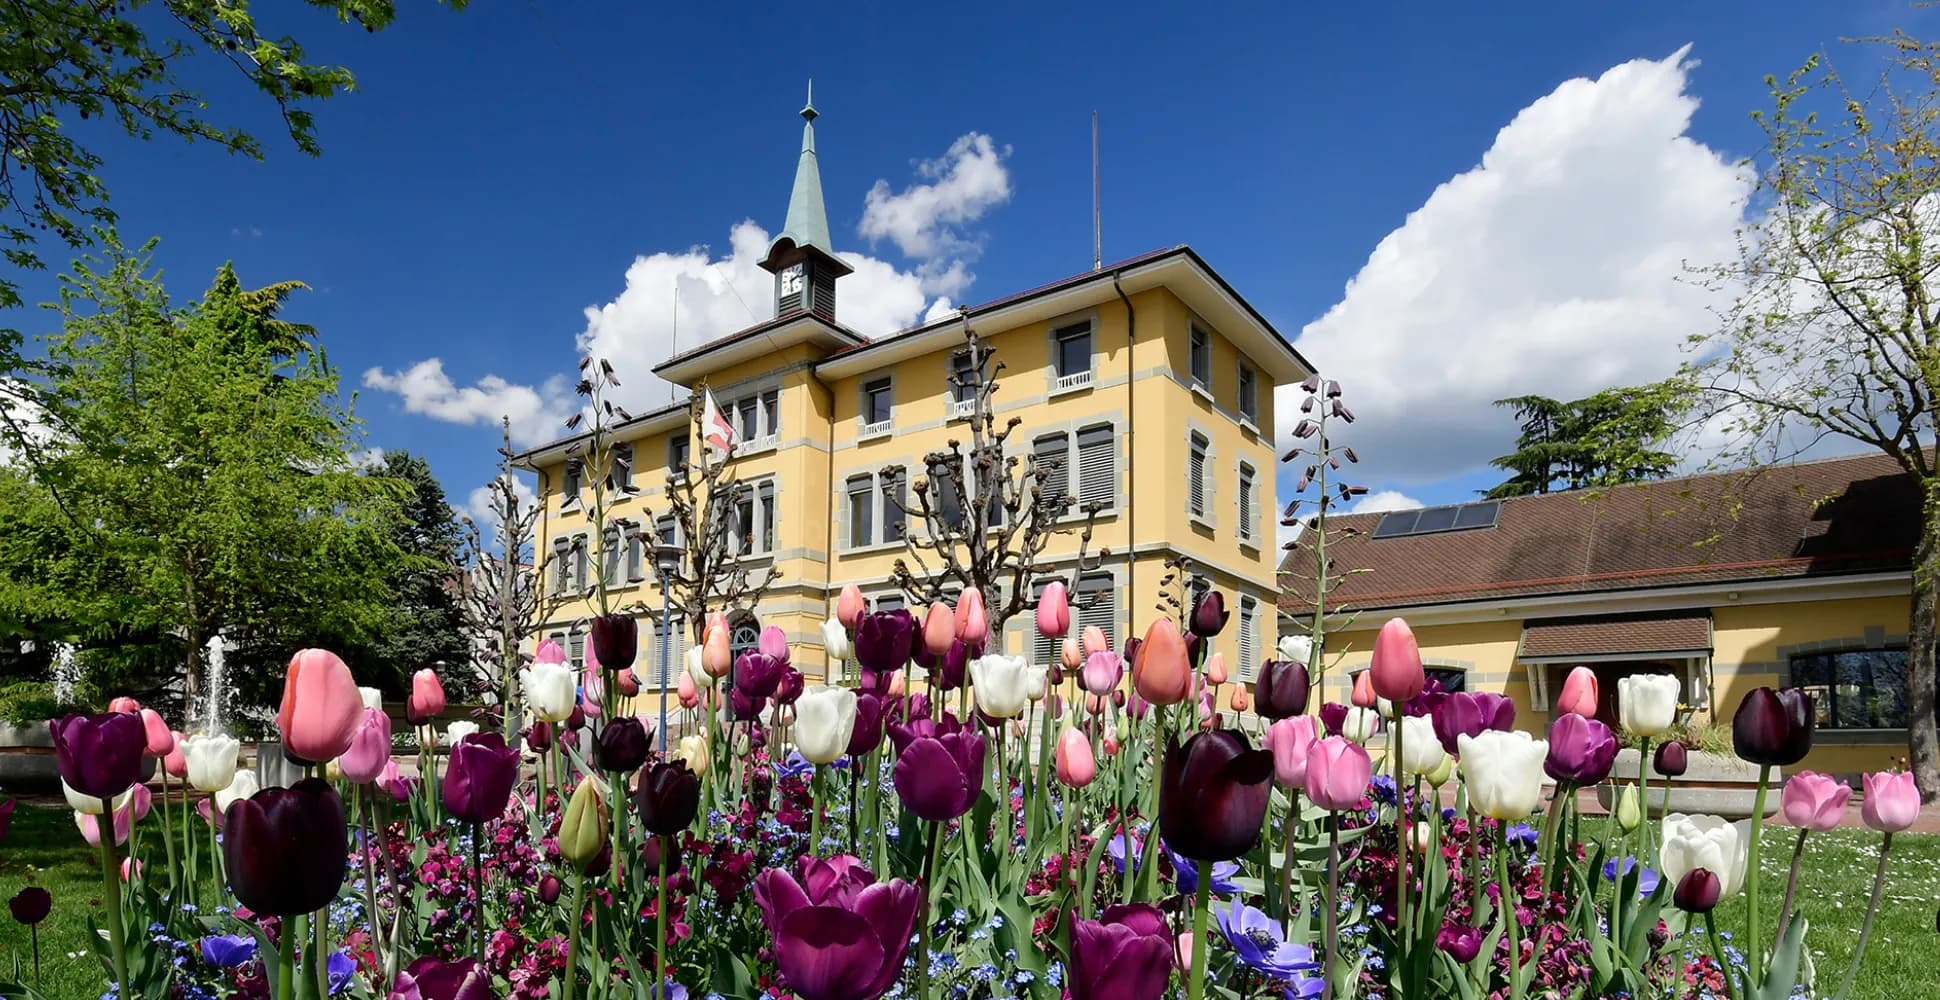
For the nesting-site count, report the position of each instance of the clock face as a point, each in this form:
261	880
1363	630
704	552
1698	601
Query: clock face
791	280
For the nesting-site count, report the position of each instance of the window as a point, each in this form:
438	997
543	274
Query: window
1452	679
895	514
1200	358
610	552
1072	353
890	602
1049	453
622	461
576	650
744	635
756	418
667	530
1249	636
1249	394
677	456
749	418
634	545
947	501
1247	503
569	487
579	562
771	411
878	398
1095	602
752	530
1196	475
1196	590
1097	465
765	495
862	512
1860	689
964	378
668	650
562	565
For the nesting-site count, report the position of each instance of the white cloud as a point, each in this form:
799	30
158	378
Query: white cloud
1552	267
20	419
537	414
366	458
1383	500
478	507
925	219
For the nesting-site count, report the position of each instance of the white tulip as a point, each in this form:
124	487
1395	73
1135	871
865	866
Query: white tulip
92	806
459	730
1359	724
550	691
835	642
824	721
702	679
1503	772
1647	703
1421	750
373	698
693	750
243	787
1003	685
1298	648
1706	842
211	761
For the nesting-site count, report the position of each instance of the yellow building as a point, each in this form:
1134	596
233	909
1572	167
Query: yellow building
1782	575
1148	383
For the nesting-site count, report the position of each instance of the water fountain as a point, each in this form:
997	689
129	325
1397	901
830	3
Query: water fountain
214	655
67	673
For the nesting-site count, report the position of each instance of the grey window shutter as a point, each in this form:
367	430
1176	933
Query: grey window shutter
1097	474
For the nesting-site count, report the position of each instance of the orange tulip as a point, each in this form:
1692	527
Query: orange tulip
1070	655
717	657
1241	701
1094	640
1161	674
972	622
322	708
1216	668
939	629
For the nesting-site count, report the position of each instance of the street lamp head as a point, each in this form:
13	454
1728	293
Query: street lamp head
666	559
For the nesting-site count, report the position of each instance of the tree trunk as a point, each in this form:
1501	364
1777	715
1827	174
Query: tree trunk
1923	737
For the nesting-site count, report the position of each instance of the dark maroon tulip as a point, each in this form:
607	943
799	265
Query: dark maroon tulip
653	847
1470	713
479	777
1429	701
867	735
838	933
1213	795
538	736
549	889
99	755
577	720
285	848
938	777
1192	648
668	797
1210	614
919	726
1282	689
883	641
30	905
745	707
955	666
1460	941
757	675
1126	954
1774	727
1580	750
1697	891
1130	656
1333	715
432	979
791	687
1671	759
624	744
616	641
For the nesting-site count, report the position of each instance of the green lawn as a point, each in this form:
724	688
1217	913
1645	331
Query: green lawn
43	848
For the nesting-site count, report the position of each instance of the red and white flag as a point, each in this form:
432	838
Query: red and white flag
715	429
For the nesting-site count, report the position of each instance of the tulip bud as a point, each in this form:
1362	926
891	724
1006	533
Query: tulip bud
1440	773
31	905
1216	668
1579	695
693	750
321	707
656	848
1774	727
850	607
582	831
1160	671
1892	801
1076	767
549	888
1698	891
124	705
616	641
1054	610
1647	703
175	762
1094	640
427	700
627	683
1363	696
1395	671
624	745
972	622
156	734
1240	701
717	657
939	629
1629	812
1671	759
1209	614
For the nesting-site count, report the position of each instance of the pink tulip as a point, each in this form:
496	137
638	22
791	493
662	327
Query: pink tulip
589	707
1110	745
1363	696
427	698
205	809
1579	695
1241	701
1076	766
688	692
773	643
124	704
1291	739
1102	672
161	741
1396	667
1161	672
322	707
370	749
717	657
1892	800
1338	772
1814	801
130	869
1094	640
897	686
1054	610
1216	668
392	780
548	652
140	801
1135	705
850	607
717	619
175	763
972	622
939	629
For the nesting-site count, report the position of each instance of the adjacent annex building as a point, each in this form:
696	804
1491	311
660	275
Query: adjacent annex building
1781	575
1148	382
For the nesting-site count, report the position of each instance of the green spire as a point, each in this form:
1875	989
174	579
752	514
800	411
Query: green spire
808	220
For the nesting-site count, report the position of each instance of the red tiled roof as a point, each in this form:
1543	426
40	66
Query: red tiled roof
1677	631
1835	516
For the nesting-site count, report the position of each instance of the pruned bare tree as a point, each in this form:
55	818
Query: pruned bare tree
985	517
499	579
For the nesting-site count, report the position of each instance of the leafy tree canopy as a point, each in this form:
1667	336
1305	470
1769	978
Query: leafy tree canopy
1612	437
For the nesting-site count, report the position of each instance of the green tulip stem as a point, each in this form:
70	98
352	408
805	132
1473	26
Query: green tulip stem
1507	913
111	886
928	915
218	865
1201	950
1003	800
168	832
370	872
1791	885
318	951
1717	952
33	935
664	967
1402	833
1474	866
1547	847
855	806
1329	917
815	805
1287	909
286	965
572	936
1754	950
1872	910
1643	792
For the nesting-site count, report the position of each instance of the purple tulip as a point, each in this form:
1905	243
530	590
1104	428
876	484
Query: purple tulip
31	905
1580	750
99	755
919	726
624	744
479	777
883	641
616	641
1774	728
1282	689
955	665
838	933
6	818
791	687
538	736
1332	716
430	979
285	848
1671	759
1126	954
1460	941
757	675
1213	795
1429	701
668	798
1469	713
868	732
743	706
1209	615
1697	891
938	777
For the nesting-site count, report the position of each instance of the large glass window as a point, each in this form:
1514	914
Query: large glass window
1860	689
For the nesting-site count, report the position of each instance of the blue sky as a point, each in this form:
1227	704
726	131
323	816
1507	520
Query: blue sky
1441	206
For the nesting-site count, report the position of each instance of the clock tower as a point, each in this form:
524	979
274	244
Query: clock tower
801	258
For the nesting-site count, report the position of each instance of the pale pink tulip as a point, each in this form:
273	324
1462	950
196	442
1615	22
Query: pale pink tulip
972	622
1338	771
161	741
1216	668
176	763
1054	610
1241	701
1101	673
1363	696
939	629
1892	800
1094	640
322	707
1076	766
1396	667
1579	695
850	607
124	704
687	691
1291	740
1071	655
1814	801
